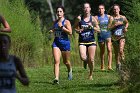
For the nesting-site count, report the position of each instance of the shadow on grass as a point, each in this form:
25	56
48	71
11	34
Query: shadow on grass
103	85
42	82
107	71
91	88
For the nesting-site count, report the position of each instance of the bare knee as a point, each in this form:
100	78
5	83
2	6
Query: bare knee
56	63
83	58
121	51
109	50
66	62
91	60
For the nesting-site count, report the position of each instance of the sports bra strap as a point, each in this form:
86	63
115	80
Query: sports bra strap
63	22
90	20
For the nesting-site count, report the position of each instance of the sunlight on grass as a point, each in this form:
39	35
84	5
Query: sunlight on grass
41	81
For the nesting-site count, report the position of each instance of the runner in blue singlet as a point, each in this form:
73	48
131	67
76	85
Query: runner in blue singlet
10	67
104	37
61	29
85	26
118	25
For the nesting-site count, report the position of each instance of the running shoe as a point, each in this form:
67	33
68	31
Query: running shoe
118	67
102	69
90	78
70	75
110	69
55	81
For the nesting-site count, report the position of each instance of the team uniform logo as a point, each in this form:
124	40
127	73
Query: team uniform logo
87	31
103	25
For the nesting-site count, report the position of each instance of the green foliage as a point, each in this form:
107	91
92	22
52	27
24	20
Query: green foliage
41	81
132	64
131	9
27	39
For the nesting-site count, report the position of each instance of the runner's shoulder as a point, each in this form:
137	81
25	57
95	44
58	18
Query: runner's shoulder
67	21
122	16
108	15
96	17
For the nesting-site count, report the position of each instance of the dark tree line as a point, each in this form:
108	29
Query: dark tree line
45	9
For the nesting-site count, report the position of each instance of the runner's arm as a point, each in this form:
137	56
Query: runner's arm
5	24
76	25
95	23
21	74
67	28
110	24
126	24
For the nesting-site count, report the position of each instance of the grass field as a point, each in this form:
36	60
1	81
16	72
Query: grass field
41	81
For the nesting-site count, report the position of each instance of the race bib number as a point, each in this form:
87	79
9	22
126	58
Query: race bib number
118	32
6	83
58	34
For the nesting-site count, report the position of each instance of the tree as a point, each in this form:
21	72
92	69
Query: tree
63	1
51	9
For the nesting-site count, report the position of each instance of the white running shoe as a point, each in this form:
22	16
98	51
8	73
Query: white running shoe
55	81
70	75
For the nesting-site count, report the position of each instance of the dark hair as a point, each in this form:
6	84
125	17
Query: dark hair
110	11
62	7
116	5
102	5
86	3
5	35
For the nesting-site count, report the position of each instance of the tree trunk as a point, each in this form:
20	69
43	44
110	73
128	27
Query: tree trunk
51	9
63	1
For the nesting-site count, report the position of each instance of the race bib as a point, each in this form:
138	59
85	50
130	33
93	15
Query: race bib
58	34
118	32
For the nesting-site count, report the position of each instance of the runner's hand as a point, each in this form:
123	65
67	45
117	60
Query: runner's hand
125	30
80	30
51	31
90	25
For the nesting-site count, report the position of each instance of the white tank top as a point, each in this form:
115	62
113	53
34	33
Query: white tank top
8	76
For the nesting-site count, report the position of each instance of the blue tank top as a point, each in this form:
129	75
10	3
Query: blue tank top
8	76
103	22
88	34
59	34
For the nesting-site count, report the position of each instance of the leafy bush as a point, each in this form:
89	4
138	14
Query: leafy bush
131	67
27	39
